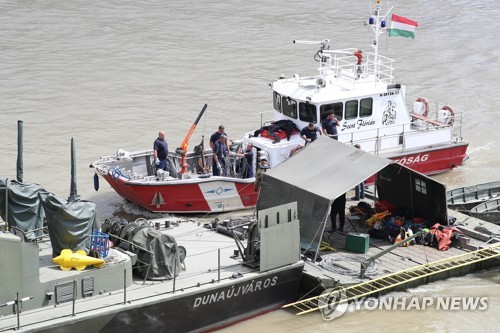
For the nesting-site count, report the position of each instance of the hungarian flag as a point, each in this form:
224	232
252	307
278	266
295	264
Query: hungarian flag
401	26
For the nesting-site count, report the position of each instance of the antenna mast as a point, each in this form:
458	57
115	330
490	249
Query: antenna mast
379	25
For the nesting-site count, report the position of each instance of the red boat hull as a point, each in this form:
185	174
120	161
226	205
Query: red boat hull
435	161
202	195
432	161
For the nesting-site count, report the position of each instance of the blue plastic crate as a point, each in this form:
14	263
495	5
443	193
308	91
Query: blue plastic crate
100	243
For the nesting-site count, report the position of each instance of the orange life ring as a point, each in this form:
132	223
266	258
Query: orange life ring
452	113
426	105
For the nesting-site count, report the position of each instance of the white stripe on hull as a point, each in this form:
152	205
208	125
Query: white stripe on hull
221	196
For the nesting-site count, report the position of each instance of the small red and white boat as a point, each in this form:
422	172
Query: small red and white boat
188	193
358	86
187	187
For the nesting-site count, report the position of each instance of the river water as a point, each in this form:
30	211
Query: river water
111	74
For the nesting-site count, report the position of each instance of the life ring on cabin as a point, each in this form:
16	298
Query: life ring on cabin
426	105
451	119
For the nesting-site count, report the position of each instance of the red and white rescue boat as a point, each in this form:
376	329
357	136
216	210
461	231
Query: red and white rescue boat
373	110
174	193
187	187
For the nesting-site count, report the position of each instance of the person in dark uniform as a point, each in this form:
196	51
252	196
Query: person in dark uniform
338	208
259	176
308	133
219	157
359	190
214	137
160	152
330	126
247	161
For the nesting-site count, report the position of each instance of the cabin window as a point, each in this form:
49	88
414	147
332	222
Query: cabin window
289	107
351	109
277	101
337	109
366	107
307	112
420	186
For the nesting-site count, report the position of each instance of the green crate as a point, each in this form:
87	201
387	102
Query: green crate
356	242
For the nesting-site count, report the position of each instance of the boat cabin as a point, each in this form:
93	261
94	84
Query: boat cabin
372	110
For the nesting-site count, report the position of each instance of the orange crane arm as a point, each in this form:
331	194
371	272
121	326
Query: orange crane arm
184	145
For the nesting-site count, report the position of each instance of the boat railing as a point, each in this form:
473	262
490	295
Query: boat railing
393	138
336	62
383	67
267	121
30	236
434	121
128	295
436	115
132	170
494	238
345	64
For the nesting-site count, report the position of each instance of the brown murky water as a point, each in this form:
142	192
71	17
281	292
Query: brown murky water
111	74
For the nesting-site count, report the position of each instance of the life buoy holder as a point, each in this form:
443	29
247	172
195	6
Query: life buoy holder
426	105
452	115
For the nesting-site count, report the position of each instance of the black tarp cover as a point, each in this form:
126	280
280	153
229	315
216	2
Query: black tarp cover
166	254
25	207
70	223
